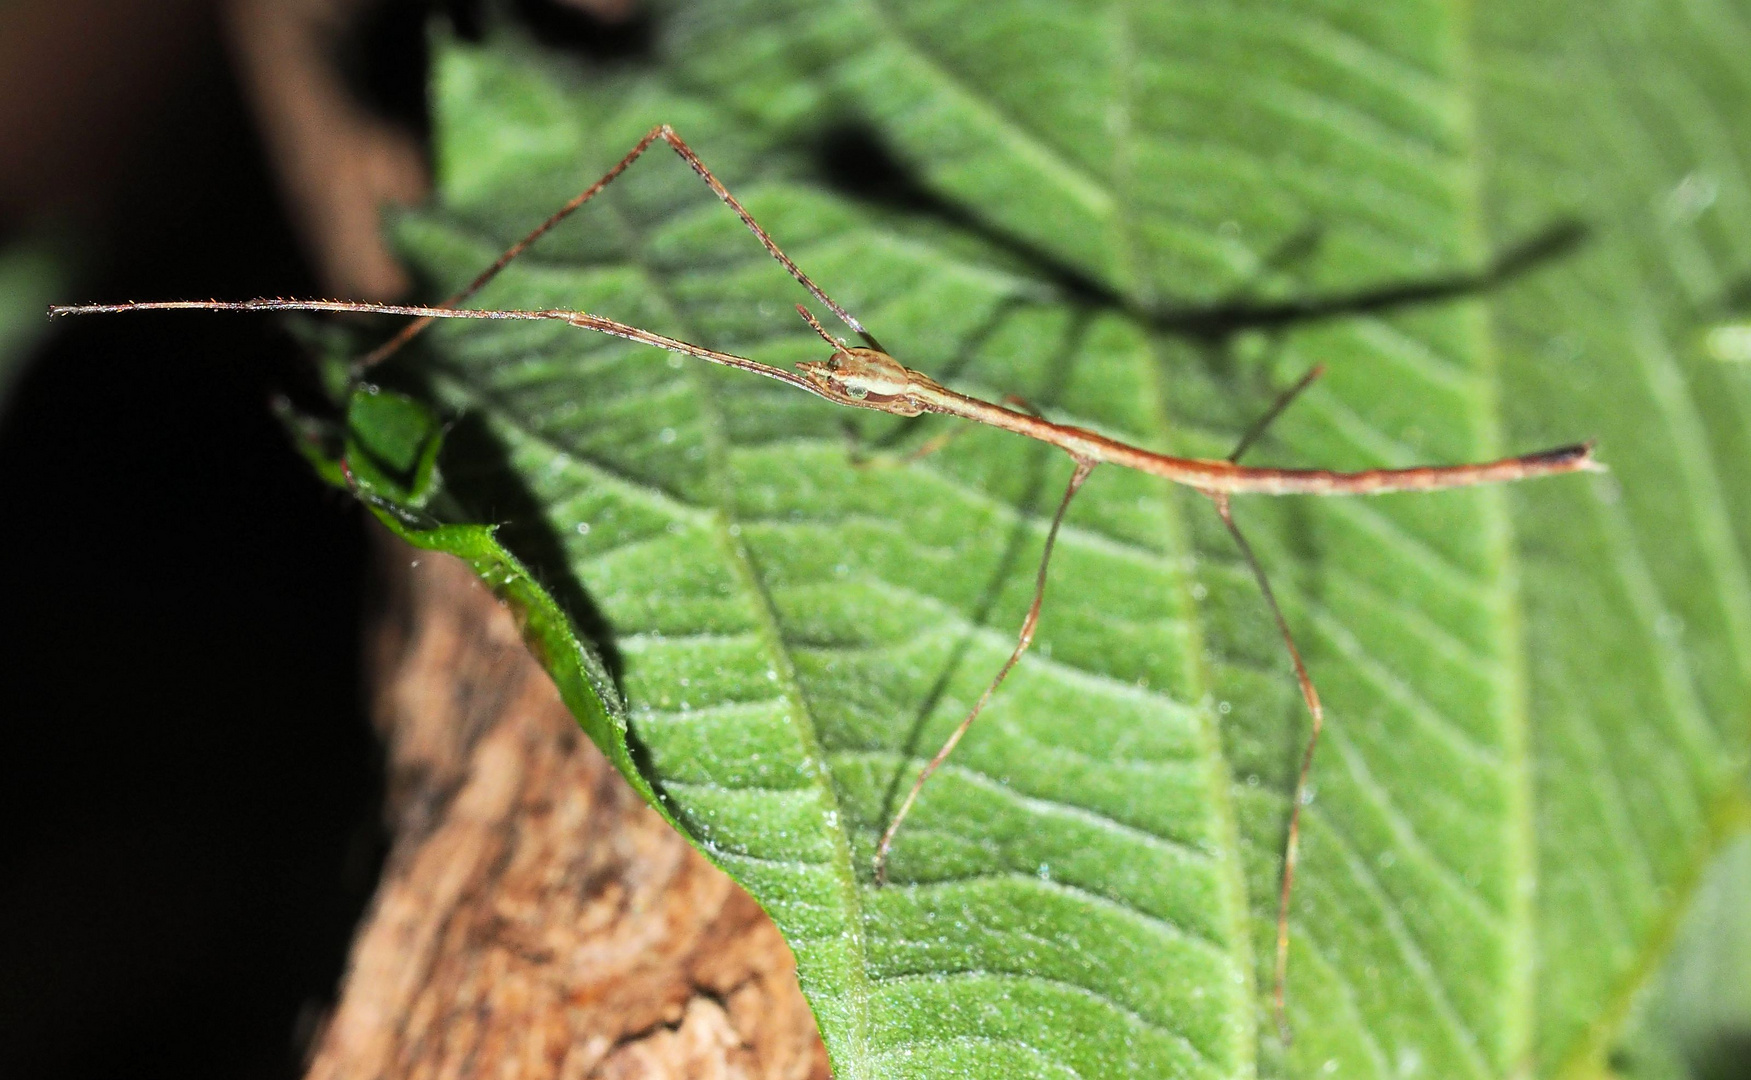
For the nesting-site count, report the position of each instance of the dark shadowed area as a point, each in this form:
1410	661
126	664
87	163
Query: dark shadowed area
187	777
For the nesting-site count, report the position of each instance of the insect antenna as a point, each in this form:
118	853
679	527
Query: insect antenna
582	319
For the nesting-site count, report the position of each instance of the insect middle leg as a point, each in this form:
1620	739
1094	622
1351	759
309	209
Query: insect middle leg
1024	639
1309	694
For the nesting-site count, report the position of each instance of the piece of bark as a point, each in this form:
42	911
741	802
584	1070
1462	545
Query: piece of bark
337	163
535	918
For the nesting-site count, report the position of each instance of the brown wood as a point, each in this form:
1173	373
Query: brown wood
337	162
535	919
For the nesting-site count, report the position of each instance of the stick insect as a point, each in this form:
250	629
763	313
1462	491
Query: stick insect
867	377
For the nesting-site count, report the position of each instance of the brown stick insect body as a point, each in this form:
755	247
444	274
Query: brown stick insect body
867	377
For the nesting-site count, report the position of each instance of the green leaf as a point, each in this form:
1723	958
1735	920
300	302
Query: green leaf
387	437
1636	592
1145	219
392	447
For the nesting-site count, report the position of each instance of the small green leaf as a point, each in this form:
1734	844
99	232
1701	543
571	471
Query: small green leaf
392	446
384	428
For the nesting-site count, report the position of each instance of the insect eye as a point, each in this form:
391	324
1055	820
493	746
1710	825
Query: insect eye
833	362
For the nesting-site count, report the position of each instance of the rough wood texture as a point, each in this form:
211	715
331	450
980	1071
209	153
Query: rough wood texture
535	919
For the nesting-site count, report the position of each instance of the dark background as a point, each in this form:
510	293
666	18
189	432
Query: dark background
188	782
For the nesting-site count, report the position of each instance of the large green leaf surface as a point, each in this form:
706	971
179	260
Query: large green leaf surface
794	633
1144	219
1637	598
